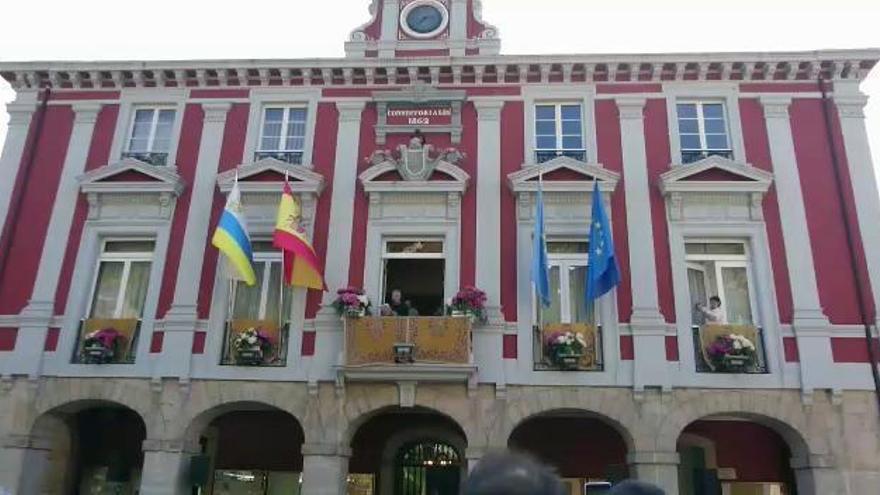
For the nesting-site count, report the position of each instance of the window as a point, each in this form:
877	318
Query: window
123	277
559	131
263	301
283	135
721	269
416	267
703	132
150	139
568	282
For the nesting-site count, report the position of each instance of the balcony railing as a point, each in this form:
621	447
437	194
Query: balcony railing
158	159
542	156
259	343
106	341
291	157
691	156
716	351
548	358
401	341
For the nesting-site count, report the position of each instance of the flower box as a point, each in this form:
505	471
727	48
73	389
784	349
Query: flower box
568	361
100	347
252	356
251	347
97	354
468	302
351	302
732	353
566	349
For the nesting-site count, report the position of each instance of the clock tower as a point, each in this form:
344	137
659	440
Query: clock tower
424	28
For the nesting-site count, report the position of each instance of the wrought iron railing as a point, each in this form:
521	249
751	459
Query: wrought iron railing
269	349
542	156
291	157
546	359
691	156
710	352
116	341
158	159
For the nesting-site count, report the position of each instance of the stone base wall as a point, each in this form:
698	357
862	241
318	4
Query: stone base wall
834	440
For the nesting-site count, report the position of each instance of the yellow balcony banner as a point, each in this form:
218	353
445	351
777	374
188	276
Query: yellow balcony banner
590	359
437	340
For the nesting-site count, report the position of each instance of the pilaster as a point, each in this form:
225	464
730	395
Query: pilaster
810	323
20	116
181	319
165	468
647	323
659	468
35	317
325	469
850	108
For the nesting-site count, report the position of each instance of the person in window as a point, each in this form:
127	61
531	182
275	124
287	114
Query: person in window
713	314
397	306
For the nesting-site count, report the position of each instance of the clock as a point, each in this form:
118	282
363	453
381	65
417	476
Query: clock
424	19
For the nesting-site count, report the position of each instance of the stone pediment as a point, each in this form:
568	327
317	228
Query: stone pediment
415	169
131	176
268	175
563	174
715	174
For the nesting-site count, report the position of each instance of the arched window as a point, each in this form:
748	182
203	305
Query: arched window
427	468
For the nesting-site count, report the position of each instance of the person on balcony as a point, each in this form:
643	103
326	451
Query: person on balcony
397	306
713	314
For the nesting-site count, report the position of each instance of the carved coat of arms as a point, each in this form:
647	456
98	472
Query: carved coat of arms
417	161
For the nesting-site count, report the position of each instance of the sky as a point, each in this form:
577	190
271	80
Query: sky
195	29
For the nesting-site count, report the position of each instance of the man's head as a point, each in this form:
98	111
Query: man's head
396	296
636	488
512	474
714	302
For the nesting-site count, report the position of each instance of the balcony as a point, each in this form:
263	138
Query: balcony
549	357
716	352
416	349
158	159
291	157
106	341
691	156
255	343
544	156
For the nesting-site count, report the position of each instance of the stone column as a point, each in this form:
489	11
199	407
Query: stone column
345	174
659	468
810	323
325	469
647	324
166	468
16	138
816	475
181	319
862	177
488	259
24	464
36	316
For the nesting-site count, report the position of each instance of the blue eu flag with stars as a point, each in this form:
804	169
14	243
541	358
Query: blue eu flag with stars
603	274
540	270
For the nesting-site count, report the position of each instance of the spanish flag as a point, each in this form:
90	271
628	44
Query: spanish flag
301	265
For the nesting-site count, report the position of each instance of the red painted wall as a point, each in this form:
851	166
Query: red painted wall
468	146
98	156
853	350
36	206
837	289
512	158
324	158
659	158
187	156
611	156
758	154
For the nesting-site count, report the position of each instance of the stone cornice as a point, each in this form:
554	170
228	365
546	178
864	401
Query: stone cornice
513	69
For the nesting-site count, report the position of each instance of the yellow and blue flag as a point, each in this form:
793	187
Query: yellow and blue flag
231	238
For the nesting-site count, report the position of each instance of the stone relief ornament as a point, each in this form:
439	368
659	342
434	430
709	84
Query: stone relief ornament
416	161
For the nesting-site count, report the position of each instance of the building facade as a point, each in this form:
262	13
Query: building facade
416	161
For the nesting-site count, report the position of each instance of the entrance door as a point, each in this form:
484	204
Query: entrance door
427	468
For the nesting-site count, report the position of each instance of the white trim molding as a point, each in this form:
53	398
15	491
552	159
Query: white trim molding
524	180
585	96
162	182
304	179
133	98
261	98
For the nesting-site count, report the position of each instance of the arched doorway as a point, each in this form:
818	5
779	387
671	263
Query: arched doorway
583	448
735	456
87	447
249	449
407	452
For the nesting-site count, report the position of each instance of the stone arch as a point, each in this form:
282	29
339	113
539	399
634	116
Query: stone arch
783	415
616	411
359	409
201	418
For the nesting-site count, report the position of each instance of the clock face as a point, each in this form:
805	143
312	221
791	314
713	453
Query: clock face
424	19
